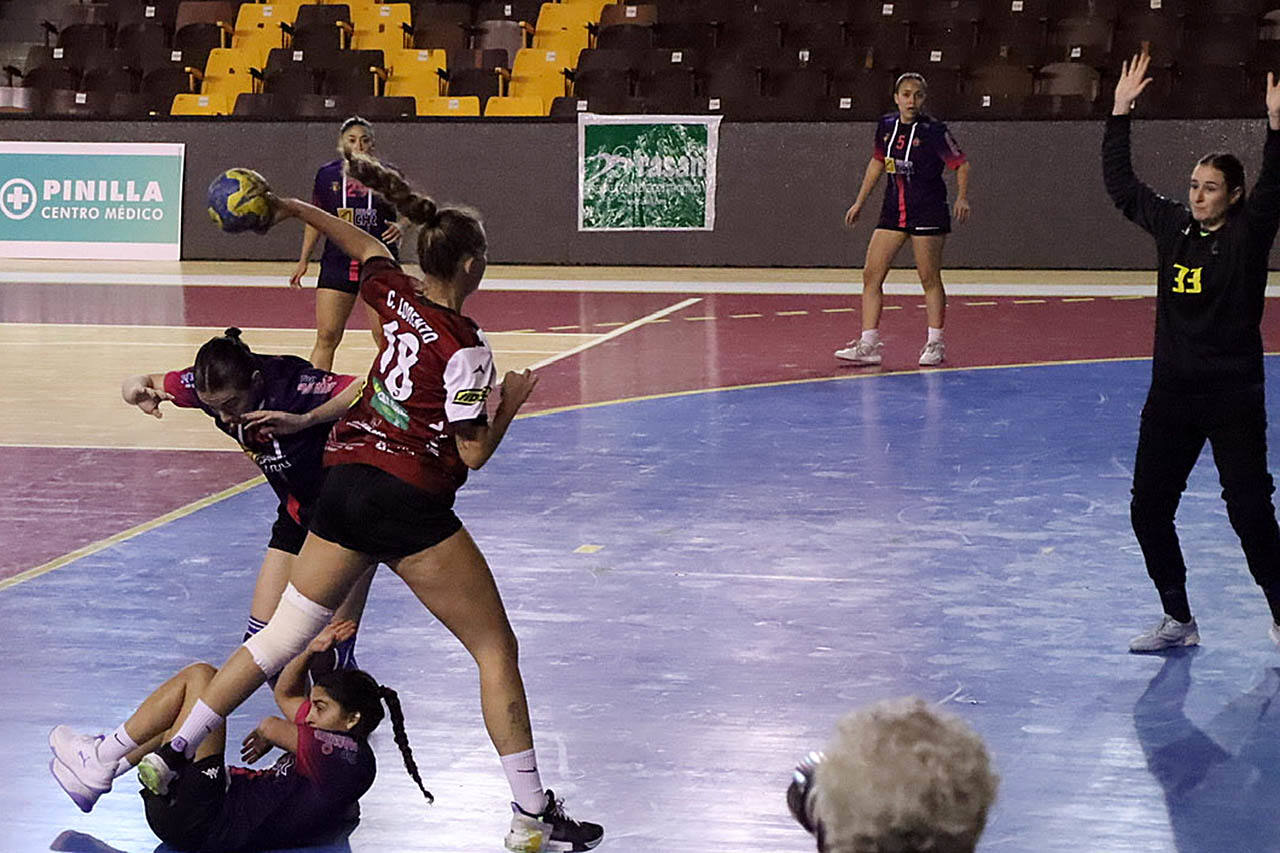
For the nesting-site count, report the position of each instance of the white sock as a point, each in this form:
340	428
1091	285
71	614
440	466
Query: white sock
115	746
935	335
200	722
526	784
871	336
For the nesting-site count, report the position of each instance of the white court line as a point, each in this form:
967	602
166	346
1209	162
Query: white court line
621	330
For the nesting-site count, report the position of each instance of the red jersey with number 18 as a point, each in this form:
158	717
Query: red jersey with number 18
435	370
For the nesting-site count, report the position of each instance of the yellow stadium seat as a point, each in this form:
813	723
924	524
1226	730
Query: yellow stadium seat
540	73
258	28
198	105
227	74
380	26
563	26
415	72
528	105
468	106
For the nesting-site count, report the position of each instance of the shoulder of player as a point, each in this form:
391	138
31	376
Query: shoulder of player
331	166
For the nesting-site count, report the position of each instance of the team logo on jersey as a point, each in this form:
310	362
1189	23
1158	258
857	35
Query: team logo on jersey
471	396
211	772
384	405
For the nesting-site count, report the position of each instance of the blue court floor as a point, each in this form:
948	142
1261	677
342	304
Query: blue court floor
756	563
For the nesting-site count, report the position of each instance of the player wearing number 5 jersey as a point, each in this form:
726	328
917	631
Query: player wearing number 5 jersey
395	461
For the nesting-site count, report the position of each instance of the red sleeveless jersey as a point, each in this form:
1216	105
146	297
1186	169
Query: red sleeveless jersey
434	371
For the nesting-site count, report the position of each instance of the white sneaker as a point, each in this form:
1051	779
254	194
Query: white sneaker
550	830
934	353
1170	633
76	767
861	352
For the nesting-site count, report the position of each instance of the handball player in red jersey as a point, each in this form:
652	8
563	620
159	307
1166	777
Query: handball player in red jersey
395	461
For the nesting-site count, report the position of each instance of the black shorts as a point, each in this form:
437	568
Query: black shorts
365	509
917	230
286	534
335	276
185	816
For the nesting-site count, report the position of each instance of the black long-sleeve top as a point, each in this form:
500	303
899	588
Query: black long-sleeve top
1211	284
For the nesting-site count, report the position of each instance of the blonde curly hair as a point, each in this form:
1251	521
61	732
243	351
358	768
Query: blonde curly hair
902	777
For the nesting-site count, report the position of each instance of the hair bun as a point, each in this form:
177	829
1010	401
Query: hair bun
233	332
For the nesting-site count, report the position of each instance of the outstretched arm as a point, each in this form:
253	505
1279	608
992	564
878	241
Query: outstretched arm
354	242
1137	201
1263	205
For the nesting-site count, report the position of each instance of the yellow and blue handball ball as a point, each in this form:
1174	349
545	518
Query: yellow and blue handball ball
238	201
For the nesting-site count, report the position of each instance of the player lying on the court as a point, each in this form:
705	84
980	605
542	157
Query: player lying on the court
395	462
898	776
303	799
279	409
1207	377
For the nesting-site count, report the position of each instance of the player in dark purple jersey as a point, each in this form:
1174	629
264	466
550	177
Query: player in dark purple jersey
913	149
305	798
396	461
279	409
338	193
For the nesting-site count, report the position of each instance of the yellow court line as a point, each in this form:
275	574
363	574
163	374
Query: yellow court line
744	316
1029	301
564	328
837	310
697	319
981	303
1078	299
891	308
1126	298
790	313
136	530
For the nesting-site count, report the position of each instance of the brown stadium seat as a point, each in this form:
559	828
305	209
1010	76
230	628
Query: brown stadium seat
386	108
110	78
331	107
500	34
1159	33
490	59
259	105
667	76
288	73
205	21
1106	10
627	26
64	102
1084	40
1063	90
478	83
995	91
1014	32
1221	42
605	73
321	28
509	10
134	40
441	35
129	13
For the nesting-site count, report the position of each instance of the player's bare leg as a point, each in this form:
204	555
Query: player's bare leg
881	250
333	307
928	252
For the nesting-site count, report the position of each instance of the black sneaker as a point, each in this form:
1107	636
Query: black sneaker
550	829
800	788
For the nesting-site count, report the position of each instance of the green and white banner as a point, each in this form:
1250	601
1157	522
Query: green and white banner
93	200
647	173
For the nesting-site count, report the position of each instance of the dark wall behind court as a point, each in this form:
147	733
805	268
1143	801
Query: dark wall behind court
1036	191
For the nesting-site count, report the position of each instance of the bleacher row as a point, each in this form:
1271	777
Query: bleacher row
749	59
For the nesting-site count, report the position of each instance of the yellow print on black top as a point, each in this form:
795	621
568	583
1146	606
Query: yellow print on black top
1186	279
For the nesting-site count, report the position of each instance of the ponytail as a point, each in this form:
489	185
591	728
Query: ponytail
224	362
402	739
449	235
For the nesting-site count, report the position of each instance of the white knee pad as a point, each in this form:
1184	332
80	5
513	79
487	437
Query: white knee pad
293	626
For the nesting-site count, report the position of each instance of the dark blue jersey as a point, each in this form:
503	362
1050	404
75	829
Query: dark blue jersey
292	463
347	198
914	157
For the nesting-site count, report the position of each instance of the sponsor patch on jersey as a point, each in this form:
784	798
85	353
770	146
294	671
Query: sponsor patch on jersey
471	396
387	407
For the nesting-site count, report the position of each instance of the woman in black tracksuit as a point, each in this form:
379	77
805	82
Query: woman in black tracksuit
1207	375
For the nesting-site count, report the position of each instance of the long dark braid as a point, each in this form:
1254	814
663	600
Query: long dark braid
449	235
402	739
